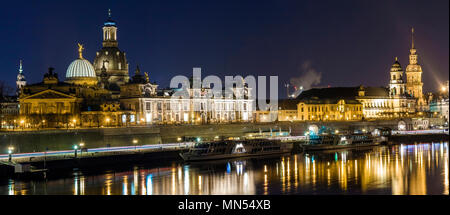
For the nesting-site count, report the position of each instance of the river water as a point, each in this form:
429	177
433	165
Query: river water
414	169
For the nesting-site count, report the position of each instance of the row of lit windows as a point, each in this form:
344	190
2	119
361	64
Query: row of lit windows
326	109
176	106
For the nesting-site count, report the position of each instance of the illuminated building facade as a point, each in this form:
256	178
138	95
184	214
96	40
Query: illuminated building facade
329	110
9	110
353	103
287	110
154	106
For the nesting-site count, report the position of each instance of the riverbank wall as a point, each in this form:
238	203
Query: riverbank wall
35	141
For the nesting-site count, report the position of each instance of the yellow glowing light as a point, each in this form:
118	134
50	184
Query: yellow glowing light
107	119
179	138
22	121
81	144
135	141
74	121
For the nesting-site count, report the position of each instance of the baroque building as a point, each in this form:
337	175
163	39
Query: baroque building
55	103
102	94
110	63
153	106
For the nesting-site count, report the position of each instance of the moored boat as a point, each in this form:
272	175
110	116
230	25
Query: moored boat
236	148
335	142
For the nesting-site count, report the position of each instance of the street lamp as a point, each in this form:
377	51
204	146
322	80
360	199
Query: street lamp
75	147
74	123
10	151
22	122
81	149
135	141
107	121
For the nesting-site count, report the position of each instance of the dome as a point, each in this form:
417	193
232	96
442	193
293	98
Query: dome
396	67
80	68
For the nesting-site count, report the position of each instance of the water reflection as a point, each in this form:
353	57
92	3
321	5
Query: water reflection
415	169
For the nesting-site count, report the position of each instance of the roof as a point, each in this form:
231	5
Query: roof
376	92
346	93
288	104
80	68
329	101
329	93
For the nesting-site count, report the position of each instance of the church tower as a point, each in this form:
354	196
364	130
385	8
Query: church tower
396	85
21	81
110	32
414	75
111	58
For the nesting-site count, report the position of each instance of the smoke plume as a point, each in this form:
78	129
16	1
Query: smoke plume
308	78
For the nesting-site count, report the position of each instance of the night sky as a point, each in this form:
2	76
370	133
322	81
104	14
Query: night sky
348	42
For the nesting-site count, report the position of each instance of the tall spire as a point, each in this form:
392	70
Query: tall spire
412	38
109	13
20	67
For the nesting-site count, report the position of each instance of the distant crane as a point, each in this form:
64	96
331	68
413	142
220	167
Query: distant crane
287	90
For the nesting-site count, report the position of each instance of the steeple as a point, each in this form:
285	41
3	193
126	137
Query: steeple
396	84
21	81
109	32
414	82
138	71
412	51
20	67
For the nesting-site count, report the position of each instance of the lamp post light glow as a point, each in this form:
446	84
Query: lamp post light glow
81	149
75	147
10	151
107	121
135	141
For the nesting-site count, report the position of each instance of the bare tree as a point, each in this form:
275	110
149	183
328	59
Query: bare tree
5	90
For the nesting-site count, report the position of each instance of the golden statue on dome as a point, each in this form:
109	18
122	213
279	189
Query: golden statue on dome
80	50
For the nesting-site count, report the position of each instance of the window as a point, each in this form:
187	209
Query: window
148	106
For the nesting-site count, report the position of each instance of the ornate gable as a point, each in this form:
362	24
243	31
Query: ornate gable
50	94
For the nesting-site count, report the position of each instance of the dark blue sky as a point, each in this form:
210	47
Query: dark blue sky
349	42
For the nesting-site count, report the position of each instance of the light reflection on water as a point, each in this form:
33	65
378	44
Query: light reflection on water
414	169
